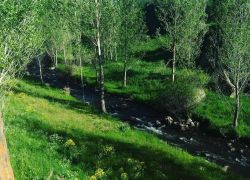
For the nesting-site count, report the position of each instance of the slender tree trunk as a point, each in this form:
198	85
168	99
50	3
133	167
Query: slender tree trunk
82	82
125	64
174	48
100	59
56	58
237	96
232	86
125	53
64	54
189	49
96	73
104	53
111	54
174	63
236	109
40	69
6	172
125	75
103	106
116	56
125	72
96	68
53	55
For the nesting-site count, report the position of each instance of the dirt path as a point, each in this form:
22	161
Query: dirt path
6	172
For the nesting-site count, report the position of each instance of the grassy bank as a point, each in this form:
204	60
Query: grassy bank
52	135
146	79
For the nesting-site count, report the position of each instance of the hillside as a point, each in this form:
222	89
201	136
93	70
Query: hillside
47	128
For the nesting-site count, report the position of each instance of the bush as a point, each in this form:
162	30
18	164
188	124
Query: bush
184	94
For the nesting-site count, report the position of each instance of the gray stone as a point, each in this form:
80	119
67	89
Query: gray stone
197	124
176	123
169	120
232	149
236	159
183	128
158	122
192	125
189	121
225	168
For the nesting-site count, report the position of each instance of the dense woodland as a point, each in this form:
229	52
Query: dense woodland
79	79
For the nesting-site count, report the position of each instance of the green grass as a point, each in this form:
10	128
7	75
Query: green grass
146	79
217	109
51	134
149	45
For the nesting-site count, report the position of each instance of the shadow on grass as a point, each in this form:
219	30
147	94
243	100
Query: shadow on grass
157	162
156	55
75	105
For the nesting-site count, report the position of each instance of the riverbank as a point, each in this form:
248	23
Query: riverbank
226	152
215	111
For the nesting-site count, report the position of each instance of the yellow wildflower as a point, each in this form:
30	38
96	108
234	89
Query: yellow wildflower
99	173
69	143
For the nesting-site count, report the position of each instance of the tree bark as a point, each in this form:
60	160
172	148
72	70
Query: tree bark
40	69
100	59
236	109
174	63
125	51
64	54
237	96
125	75
82	82
116	58
174	47
6	172
56	58
102	92
232	86
96	74
125	66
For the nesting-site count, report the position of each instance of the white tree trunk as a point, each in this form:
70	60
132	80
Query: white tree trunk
174	64
100	58
40	69
56	58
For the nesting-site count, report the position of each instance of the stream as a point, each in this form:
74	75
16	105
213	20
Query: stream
229	153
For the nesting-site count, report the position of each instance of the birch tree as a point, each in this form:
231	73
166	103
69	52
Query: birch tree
81	52
19	42
131	30
184	22
234	55
96	21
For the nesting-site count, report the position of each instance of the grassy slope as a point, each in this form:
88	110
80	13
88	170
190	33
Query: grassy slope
52	134
145	78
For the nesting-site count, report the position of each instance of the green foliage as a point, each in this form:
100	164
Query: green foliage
184	23
178	98
20	38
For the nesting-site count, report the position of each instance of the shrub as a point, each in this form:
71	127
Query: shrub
184	94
